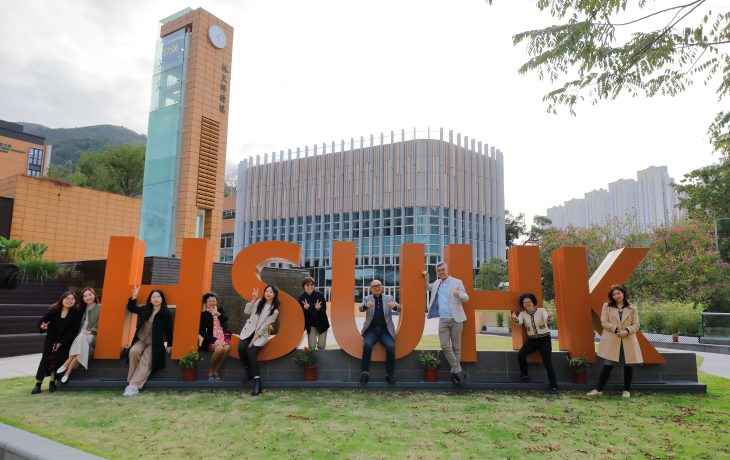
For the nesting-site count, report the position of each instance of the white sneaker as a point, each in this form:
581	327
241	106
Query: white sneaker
64	379
61	369
626	394
130	391
594	393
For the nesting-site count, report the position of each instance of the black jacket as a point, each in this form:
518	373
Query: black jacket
161	331
313	317
60	330
206	326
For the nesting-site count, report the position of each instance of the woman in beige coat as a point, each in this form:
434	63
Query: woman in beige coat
619	345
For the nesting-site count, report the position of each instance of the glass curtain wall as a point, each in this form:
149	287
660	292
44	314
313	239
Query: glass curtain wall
164	134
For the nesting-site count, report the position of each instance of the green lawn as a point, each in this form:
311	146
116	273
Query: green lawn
362	424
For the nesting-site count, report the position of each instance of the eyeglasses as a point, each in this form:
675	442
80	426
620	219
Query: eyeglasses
376	285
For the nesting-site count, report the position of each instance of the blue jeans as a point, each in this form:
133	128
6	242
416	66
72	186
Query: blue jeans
372	336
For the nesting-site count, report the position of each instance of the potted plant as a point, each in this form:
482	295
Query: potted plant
430	362
189	365
307	359
578	365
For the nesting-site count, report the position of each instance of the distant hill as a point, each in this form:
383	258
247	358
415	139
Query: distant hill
68	143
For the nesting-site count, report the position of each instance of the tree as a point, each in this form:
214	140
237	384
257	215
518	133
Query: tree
594	54
118	169
682	265
539	224
514	227
705	192
491	274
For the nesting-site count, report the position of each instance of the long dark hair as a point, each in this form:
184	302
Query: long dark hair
81	295
58	305
611	302
164	311
274	301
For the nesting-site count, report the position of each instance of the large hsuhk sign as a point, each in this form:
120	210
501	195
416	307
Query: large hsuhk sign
578	298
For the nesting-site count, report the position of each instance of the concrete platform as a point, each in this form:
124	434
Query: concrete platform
494	370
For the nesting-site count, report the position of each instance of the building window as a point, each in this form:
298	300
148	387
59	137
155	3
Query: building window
229	214
35	162
226	248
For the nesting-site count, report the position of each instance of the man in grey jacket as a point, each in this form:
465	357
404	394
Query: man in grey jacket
447	294
378	327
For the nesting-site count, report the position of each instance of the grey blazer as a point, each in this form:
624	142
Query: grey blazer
369	312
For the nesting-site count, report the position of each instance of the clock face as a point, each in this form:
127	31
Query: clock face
217	36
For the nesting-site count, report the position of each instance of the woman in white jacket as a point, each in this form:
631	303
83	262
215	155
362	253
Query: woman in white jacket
535	320
255	332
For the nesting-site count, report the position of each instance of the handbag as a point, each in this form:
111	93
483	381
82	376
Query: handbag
125	353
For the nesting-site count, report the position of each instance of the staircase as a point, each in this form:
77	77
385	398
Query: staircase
20	310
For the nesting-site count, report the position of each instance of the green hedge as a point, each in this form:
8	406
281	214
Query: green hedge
671	318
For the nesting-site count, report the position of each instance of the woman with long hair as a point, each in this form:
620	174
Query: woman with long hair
83	345
154	328
619	345
60	324
213	334
255	332
535	320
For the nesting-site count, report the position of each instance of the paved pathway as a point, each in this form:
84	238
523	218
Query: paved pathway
19	366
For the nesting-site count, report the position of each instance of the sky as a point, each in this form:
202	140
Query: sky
310	72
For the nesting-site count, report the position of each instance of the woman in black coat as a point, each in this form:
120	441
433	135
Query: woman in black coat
213	334
60	324
154	327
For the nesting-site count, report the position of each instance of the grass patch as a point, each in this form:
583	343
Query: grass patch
361	424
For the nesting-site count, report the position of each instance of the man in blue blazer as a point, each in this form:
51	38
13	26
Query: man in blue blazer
378	327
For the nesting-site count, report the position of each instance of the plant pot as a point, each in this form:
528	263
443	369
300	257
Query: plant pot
310	373
189	374
580	377
675	338
430	374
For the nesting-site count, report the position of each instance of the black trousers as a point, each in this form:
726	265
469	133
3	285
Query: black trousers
606	373
249	356
544	346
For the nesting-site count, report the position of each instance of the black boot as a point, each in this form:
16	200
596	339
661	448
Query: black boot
52	386
256	387
36	389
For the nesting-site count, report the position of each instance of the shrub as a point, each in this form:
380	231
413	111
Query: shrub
429	359
500	318
671	318
37	269
8	249
306	357
189	360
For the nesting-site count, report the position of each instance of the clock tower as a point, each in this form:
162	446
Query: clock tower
185	161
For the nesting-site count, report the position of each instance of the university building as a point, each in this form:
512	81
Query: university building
432	188
21	152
